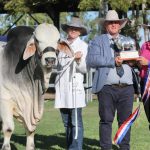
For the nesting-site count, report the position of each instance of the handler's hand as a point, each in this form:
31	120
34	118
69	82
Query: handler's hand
143	61
78	56
118	61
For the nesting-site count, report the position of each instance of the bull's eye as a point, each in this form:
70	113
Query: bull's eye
31	45
36	40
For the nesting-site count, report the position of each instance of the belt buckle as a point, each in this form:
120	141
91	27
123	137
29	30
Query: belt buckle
119	85
122	85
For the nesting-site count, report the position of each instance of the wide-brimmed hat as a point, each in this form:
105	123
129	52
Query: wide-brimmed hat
75	23
112	15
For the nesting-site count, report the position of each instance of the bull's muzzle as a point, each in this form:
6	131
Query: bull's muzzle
50	61
49	57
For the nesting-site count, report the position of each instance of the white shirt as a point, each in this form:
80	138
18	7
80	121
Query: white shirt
69	84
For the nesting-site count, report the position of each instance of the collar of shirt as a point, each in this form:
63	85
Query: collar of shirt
110	38
75	41
74	44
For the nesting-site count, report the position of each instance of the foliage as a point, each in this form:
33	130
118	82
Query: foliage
29	6
19	5
120	4
23	6
8	20
89	4
126	5
116	5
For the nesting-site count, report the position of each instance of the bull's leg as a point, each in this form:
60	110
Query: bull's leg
30	140
7	123
6	143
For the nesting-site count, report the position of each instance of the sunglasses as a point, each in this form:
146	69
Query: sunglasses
113	22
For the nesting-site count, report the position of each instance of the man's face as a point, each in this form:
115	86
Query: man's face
73	33
112	27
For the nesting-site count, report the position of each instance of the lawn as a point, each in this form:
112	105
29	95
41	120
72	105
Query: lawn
50	131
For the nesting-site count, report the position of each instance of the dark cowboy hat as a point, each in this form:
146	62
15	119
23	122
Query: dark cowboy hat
75	23
112	15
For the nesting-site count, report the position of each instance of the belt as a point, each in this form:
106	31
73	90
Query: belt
120	85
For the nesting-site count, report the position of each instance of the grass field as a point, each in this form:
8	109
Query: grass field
50	131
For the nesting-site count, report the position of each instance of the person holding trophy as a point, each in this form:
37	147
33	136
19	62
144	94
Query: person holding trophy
112	79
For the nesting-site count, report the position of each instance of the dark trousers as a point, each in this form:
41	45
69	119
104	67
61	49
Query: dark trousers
142	85
112	99
68	117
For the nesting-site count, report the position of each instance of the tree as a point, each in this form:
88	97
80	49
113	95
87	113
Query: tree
122	8
54	7
51	7
89	4
10	20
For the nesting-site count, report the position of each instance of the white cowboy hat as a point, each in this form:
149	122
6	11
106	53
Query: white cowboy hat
112	15
75	23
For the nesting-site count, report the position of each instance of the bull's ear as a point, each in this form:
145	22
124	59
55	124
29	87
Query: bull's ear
30	49
64	47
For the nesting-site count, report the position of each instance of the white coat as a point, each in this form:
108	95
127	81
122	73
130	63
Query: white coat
69	84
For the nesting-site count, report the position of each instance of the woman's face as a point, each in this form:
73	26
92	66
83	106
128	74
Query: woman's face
112	27
73	33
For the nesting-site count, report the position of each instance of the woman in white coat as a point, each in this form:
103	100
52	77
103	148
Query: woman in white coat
70	94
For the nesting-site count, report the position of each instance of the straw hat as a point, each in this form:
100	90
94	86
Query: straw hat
75	23
112	15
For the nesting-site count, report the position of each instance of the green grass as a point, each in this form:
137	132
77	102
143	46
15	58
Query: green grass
50	131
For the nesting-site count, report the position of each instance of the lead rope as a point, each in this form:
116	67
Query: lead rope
64	69
74	94
74	99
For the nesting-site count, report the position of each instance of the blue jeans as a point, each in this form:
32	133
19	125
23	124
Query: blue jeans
68	117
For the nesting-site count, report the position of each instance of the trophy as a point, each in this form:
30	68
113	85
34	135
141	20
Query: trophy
127	48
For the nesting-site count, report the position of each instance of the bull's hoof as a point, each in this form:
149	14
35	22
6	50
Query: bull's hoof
32	147
6	147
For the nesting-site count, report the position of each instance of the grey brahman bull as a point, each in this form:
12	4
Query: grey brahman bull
25	67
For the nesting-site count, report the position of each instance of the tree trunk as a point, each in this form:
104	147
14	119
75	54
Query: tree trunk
144	13
103	9
54	14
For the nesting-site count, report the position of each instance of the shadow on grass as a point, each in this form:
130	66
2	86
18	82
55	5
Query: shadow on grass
92	144
52	142
42	142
